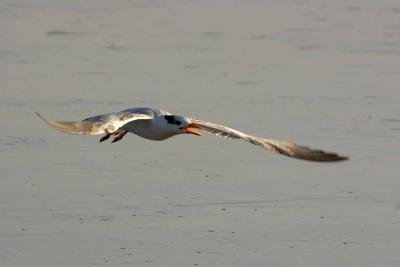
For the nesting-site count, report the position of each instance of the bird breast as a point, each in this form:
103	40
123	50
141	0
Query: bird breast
148	130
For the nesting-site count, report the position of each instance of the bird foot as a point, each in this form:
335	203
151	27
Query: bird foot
104	138
119	136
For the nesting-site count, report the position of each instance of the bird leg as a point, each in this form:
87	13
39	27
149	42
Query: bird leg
104	138
119	136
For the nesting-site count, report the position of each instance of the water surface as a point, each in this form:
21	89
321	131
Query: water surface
324	73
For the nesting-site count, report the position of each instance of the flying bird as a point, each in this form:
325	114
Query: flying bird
155	124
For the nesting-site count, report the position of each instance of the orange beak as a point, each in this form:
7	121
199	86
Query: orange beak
190	129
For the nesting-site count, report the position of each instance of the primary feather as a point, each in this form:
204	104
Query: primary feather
282	147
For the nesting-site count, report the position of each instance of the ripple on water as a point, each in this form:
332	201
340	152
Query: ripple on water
390	120
263	37
83	102
11	103
64	33
8	142
213	35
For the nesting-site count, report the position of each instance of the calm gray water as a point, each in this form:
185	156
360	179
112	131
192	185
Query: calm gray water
324	73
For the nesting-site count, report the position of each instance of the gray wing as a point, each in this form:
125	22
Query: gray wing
282	147
101	124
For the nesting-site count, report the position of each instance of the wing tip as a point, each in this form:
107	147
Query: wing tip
342	158
63	126
326	157
336	158
46	120
41	117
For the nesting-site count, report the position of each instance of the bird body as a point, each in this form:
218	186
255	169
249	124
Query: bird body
155	128
155	124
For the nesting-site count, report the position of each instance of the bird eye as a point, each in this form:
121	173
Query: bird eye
170	118
178	123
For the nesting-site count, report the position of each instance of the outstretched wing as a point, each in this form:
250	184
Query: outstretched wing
101	124
282	147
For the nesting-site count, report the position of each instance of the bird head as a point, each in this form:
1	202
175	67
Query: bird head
181	125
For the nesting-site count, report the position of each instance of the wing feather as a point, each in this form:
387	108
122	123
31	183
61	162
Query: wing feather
101	124
218	130
281	147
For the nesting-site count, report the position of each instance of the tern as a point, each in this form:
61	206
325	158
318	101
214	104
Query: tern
155	124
